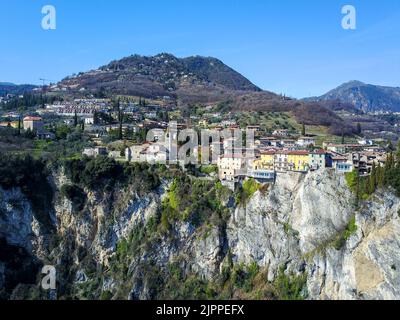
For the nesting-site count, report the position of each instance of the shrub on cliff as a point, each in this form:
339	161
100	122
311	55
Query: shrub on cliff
195	201
290	286
30	175
74	194
103	173
248	189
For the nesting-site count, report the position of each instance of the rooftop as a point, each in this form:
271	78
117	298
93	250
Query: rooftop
33	119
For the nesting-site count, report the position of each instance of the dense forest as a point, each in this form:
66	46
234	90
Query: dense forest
27	101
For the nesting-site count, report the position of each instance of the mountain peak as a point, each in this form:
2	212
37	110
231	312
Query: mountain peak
353	83
191	79
366	97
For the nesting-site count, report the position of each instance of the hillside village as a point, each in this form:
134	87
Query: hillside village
272	155
273	150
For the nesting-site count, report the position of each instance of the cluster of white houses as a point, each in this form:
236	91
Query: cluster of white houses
269	156
262	158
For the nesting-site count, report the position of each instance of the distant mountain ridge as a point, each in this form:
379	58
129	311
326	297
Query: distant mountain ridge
192	79
197	80
366	97
11	88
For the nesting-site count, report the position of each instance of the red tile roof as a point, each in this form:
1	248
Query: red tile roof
33	119
320	151
298	153
268	153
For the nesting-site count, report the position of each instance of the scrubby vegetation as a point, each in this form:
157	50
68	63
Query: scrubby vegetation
248	189
342	237
103	173
69	142
317	114
290	287
100	172
31	176
239	281
209	169
194	201
74	194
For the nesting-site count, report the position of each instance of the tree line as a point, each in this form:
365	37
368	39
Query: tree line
387	176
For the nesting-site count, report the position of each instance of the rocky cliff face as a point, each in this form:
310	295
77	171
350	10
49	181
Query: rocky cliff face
299	223
304	224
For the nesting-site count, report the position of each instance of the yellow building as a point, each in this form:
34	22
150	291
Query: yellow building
298	161
283	161
304	161
265	162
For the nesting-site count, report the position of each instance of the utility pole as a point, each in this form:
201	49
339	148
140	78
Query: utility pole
43	89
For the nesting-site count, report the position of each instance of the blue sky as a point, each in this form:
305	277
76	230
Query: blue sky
296	47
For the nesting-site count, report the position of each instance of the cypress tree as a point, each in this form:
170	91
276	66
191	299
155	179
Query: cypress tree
120	118
388	169
19	125
390	146
398	155
374	175
380	176
372	181
42	100
359	129
75	119
95	118
358	189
